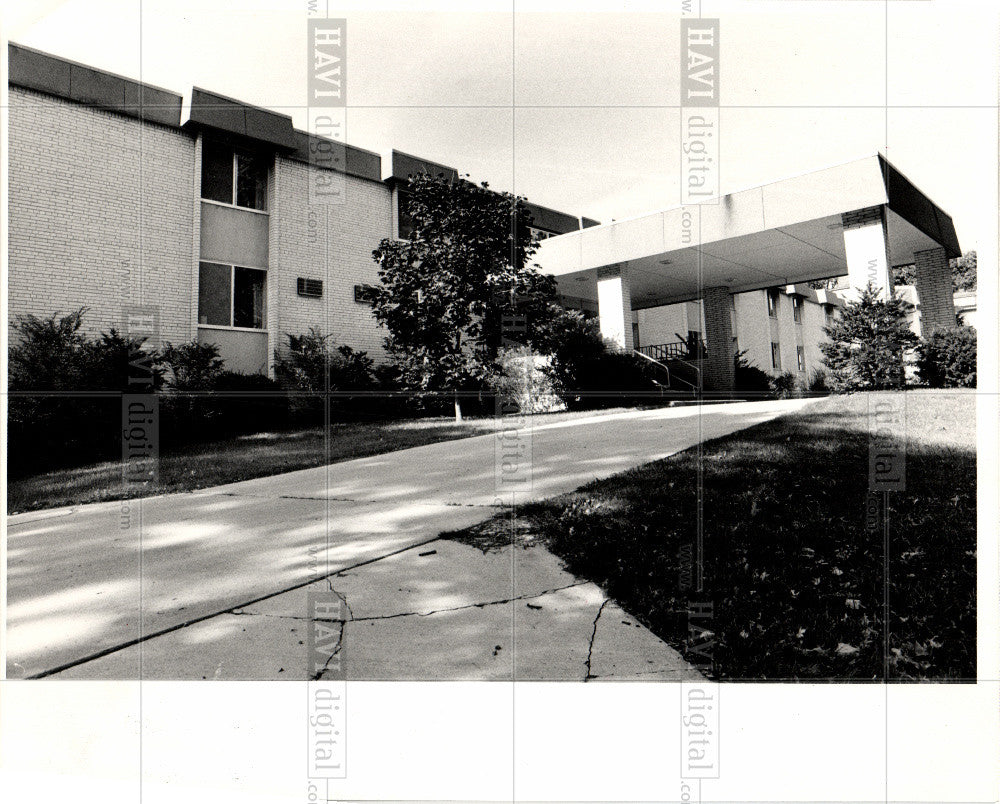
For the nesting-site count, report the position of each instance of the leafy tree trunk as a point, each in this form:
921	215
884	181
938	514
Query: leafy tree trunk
458	410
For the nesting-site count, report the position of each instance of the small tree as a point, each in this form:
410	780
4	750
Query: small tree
867	341
963	271
947	359
446	291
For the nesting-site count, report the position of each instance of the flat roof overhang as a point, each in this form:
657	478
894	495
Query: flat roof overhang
782	233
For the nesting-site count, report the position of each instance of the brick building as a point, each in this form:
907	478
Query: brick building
117	203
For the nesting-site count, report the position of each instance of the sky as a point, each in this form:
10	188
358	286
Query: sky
578	110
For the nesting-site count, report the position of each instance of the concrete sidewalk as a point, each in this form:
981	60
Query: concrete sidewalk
440	611
84	580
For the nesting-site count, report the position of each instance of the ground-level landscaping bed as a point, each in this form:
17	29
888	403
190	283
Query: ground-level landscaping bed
805	574
187	467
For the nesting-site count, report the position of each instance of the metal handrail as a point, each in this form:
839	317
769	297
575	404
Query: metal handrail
672	376
656	363
664	351
675	350
697	372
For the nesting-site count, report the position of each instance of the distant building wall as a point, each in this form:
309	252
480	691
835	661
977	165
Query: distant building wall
332	243
966	307
99	214
755	329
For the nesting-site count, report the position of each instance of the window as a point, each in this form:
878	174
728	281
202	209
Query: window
233	177
540	234
309	287
797	309
775	356
364	294
217	173
772	302
215	291
231	296
248	298
800	353
251	181
828	311
406	225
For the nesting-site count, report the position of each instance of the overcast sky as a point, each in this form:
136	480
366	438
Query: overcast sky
577	110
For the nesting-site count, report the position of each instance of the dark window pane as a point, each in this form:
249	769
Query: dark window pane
248	298
217	173
406	223
251	181
214	294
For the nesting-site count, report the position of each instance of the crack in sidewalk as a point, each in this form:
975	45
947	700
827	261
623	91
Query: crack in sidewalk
340	644
470	605
593	636
354	619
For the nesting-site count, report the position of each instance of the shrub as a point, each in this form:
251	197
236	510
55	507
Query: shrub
190	369
247	403
947	359
588	374
748	378
311	365
311	368
784	385
46	357
817	382
192	366
54	419
351	370
304	366
523	383
108	362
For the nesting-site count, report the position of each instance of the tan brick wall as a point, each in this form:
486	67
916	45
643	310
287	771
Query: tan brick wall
100	214
718	368
934	292
662	324
753	328
333	243
813	322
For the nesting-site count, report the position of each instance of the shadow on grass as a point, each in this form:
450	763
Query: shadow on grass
797	573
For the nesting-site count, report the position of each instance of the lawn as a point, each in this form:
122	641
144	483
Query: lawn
799	579
203	465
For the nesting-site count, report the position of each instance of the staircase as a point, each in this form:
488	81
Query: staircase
679	374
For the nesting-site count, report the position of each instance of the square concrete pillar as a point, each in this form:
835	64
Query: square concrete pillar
866	246
719	373
934	292
614	307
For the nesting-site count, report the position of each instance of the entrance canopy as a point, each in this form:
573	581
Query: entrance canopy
782	233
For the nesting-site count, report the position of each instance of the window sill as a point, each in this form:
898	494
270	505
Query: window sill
234	206
233	329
